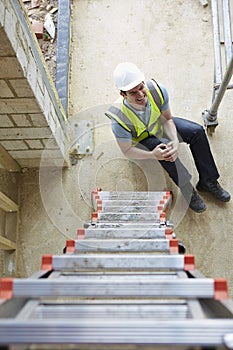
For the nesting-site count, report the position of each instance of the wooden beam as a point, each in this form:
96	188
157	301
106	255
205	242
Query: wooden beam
7	204
7	162
6	244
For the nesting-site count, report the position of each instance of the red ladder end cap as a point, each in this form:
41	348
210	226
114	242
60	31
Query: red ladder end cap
160	208
174	246
220	289
70	246
6	288
81	233
168	230
99	207
94	216
189	262
47	262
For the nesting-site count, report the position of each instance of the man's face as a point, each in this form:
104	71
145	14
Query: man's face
137	95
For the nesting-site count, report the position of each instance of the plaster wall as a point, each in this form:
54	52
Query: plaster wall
172	42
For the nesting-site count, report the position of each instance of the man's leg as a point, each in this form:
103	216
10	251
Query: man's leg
176	170
194	135
179	174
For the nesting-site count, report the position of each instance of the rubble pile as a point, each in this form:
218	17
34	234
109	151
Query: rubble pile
43	17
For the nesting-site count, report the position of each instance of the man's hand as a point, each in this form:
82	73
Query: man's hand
160	151
172	151
167	152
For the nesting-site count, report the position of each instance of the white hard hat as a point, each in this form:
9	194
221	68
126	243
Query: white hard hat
126	76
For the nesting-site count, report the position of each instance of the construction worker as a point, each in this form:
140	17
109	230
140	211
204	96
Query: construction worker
145	129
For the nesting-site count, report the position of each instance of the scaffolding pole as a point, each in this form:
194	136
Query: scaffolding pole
220	84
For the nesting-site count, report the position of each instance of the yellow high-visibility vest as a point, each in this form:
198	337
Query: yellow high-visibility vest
131	122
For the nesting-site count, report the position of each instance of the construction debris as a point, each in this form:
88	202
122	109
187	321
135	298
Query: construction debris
43	16
49	25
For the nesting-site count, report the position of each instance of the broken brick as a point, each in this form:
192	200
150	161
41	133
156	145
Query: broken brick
38	28
35	3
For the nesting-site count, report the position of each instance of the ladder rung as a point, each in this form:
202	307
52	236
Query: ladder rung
127	195
125	217
137	225
106	311
118	245
132	209
115	274
143	286
121	203
109	309
127	233
125	261
119	331
130	202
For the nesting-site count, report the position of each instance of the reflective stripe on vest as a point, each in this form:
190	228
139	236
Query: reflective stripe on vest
156	93
122	119
131	122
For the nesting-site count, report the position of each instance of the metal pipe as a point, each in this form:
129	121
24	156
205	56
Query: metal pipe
220	85
222	89
227	30
229	87
217	51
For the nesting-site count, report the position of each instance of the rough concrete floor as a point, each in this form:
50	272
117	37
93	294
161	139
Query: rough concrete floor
172	42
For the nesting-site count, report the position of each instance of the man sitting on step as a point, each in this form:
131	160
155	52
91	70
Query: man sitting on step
145	129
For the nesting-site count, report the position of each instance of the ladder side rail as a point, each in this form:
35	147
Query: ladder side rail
222	308
26	312
195	309
10	308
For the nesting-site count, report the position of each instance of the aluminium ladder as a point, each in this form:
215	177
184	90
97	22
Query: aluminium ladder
122	284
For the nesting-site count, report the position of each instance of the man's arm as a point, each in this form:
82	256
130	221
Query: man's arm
168	125
170	130
132	152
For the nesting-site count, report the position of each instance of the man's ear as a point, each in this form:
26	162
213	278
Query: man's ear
122	93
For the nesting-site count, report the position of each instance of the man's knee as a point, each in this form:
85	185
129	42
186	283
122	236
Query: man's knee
199	131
